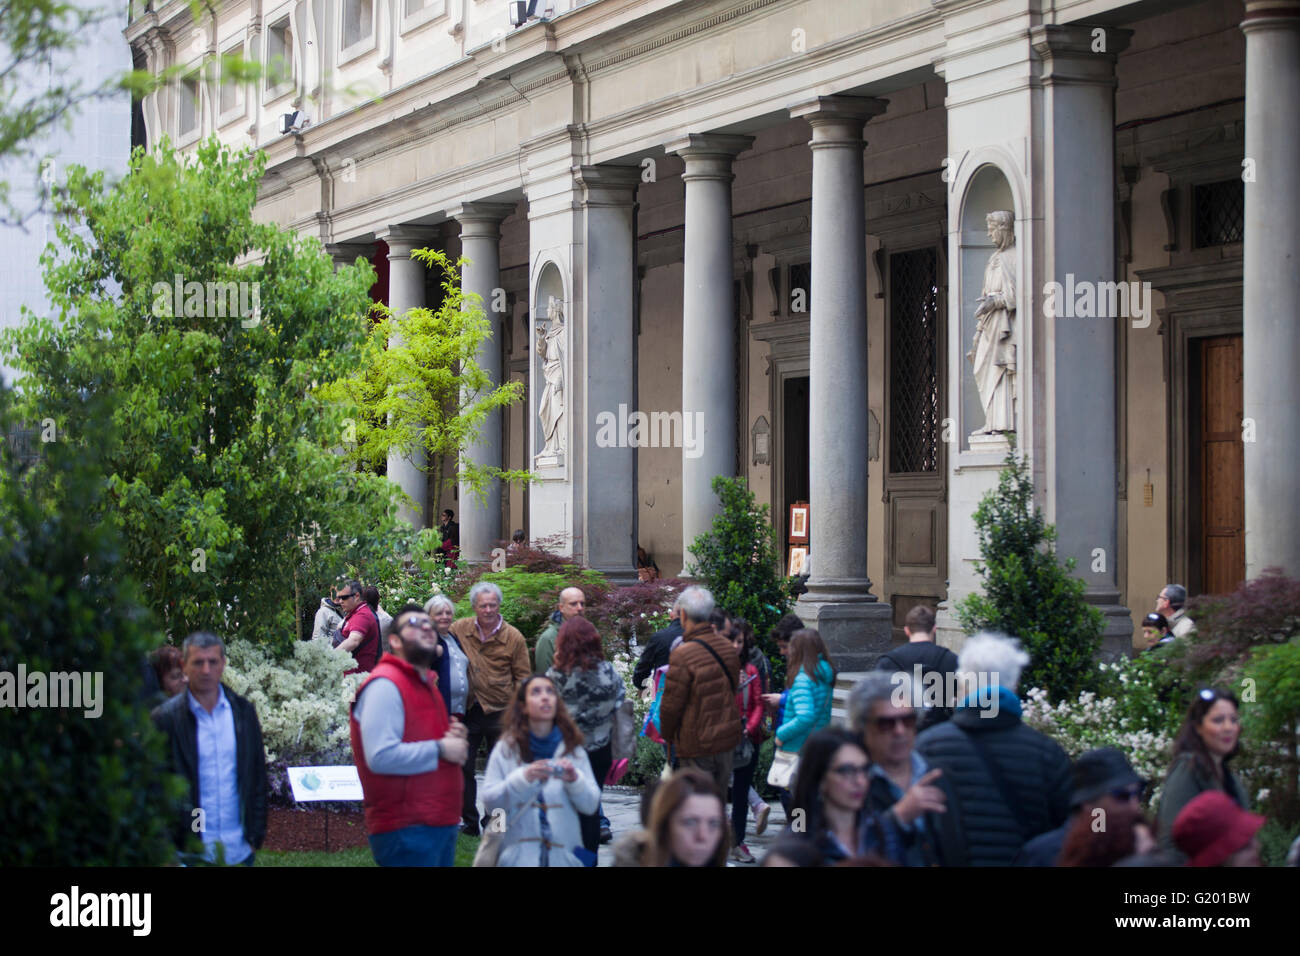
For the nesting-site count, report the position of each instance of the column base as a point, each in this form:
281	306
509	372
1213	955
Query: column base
619	576
1117	631
856	632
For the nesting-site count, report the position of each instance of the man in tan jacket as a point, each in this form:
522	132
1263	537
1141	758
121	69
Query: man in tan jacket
498	663
698	714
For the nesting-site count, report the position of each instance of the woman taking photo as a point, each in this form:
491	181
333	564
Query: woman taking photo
539	780
687	824
452	665
1206	742
592	691
831	791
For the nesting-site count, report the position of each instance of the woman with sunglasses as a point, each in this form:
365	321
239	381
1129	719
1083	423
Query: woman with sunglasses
1209	738
830	792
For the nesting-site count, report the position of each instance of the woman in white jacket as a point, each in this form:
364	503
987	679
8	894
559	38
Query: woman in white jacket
539	780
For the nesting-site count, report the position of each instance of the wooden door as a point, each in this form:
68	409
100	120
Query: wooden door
1223	543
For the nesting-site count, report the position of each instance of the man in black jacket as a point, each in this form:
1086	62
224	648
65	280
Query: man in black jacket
656	651
1010	782
216	745
919	658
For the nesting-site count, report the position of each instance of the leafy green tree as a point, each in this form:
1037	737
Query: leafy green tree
1270	703
209	335
86	784
418	385
1028	594
737	559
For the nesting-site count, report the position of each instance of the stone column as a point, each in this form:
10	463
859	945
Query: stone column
480	237
1271	292
346	253
406	292
609	506
1079	436
839	602
708	325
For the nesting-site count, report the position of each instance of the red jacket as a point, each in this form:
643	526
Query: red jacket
396	801
749	700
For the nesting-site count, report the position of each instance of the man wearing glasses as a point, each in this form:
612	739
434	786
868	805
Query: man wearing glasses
1170	603
360	628
899	780
408	751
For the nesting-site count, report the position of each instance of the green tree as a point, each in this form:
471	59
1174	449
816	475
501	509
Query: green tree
418	385
1270	696
737	559
209	334
1028	594
88	784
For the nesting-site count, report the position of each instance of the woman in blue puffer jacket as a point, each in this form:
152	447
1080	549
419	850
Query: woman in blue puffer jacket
810	677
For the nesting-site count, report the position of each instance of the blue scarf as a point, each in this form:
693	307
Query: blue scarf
543	748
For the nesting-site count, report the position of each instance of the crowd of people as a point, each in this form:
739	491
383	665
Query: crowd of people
907	780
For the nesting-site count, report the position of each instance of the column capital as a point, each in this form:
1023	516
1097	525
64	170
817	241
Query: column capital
838	120
1079	52
346	253
402	240
607	185
1271	15
481	220
708	155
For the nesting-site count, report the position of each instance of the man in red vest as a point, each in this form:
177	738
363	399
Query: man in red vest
408	750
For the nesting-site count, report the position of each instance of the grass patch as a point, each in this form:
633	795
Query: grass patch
356	856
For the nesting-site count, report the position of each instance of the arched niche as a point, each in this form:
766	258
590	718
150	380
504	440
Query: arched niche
987	190
549	285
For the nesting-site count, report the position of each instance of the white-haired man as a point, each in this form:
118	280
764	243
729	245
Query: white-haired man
698	714
498	663
1010	783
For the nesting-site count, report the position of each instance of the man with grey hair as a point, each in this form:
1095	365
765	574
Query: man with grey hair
1170	603
498	663
698	715
899	781
1010	783
572	602
215	740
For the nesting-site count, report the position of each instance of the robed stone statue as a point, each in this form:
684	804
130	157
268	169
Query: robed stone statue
993	352
550	346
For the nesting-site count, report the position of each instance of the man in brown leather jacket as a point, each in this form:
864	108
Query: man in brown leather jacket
698	714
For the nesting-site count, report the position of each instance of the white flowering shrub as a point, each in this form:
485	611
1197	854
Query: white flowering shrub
302	702
1129	716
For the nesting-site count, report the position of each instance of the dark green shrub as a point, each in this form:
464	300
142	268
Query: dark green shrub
646	765
1270	709
738	560
75	790
1028	594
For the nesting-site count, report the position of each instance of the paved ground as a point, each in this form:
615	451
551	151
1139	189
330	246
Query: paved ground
623	807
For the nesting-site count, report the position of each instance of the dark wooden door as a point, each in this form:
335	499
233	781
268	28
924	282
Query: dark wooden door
1223	543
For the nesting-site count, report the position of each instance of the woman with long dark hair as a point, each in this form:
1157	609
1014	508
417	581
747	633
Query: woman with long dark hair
539	780
688	825
1209	738
749	701
830	792
592	691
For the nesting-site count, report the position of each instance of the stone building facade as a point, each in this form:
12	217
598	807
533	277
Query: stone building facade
767	221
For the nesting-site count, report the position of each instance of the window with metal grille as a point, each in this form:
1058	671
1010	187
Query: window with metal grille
914	359
1220	212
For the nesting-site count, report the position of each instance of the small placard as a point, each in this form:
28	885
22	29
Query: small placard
325	783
